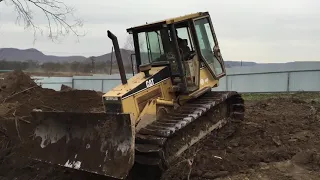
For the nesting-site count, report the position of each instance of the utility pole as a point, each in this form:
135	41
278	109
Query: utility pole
92	58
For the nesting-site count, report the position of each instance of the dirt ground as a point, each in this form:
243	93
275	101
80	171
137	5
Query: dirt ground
279	138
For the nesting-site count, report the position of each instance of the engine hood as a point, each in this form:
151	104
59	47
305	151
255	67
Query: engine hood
138	83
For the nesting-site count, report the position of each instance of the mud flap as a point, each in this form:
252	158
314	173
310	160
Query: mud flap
100	143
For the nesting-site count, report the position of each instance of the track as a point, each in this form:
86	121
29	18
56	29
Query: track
159	143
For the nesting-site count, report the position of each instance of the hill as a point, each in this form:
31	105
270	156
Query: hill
20	55
13	54
125	54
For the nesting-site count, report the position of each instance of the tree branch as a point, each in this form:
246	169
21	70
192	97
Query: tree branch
56	14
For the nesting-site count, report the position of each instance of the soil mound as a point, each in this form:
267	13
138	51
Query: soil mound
20	89
20	95
65	88
14	82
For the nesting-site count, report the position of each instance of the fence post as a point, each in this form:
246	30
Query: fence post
288	82
72	83
102	85
226	82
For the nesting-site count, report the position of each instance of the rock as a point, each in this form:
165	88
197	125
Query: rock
276	140
65	88
213	175
302	135
37	110
264	166
197	172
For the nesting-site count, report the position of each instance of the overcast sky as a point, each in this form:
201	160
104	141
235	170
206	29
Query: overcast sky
249	30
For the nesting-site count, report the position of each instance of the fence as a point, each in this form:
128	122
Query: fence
96	82
290	77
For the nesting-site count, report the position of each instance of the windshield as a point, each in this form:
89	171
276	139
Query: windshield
155	46
151	47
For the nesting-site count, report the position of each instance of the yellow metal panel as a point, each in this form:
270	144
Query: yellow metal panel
206	79
185	17
174	20
129	105
166	85
133	82
148	115
136	103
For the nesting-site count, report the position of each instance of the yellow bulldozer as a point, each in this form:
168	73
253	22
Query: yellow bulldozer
153	117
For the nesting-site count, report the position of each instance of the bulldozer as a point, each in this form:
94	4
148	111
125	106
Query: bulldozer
153	117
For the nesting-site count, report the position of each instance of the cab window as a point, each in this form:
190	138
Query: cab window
151	47
207	43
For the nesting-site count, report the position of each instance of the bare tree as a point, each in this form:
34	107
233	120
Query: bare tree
56	13
129	45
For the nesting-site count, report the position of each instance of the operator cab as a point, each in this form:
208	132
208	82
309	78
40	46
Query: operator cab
184	44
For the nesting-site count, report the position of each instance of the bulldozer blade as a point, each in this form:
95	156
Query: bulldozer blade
100	143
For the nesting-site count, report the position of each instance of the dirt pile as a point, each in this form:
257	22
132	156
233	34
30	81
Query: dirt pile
14	82
20	95
271	143
65	88
20	89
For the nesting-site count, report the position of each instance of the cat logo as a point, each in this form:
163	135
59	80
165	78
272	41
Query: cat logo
149	83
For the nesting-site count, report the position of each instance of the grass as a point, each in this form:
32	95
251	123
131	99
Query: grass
306	96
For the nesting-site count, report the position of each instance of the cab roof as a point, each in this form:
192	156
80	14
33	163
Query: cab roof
169	21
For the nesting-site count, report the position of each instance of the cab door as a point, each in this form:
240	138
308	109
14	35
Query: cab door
187	50
208	48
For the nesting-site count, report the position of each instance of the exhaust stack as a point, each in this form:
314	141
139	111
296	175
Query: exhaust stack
118	57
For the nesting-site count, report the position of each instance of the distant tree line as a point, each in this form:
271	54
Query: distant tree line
78	67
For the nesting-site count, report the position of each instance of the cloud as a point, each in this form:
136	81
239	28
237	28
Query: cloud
262	31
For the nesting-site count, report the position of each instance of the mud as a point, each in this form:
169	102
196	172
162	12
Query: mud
65	88
195	128
279	138
17	87
19	95
11	83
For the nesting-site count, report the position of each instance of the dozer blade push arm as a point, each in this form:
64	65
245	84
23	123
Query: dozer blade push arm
100	143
